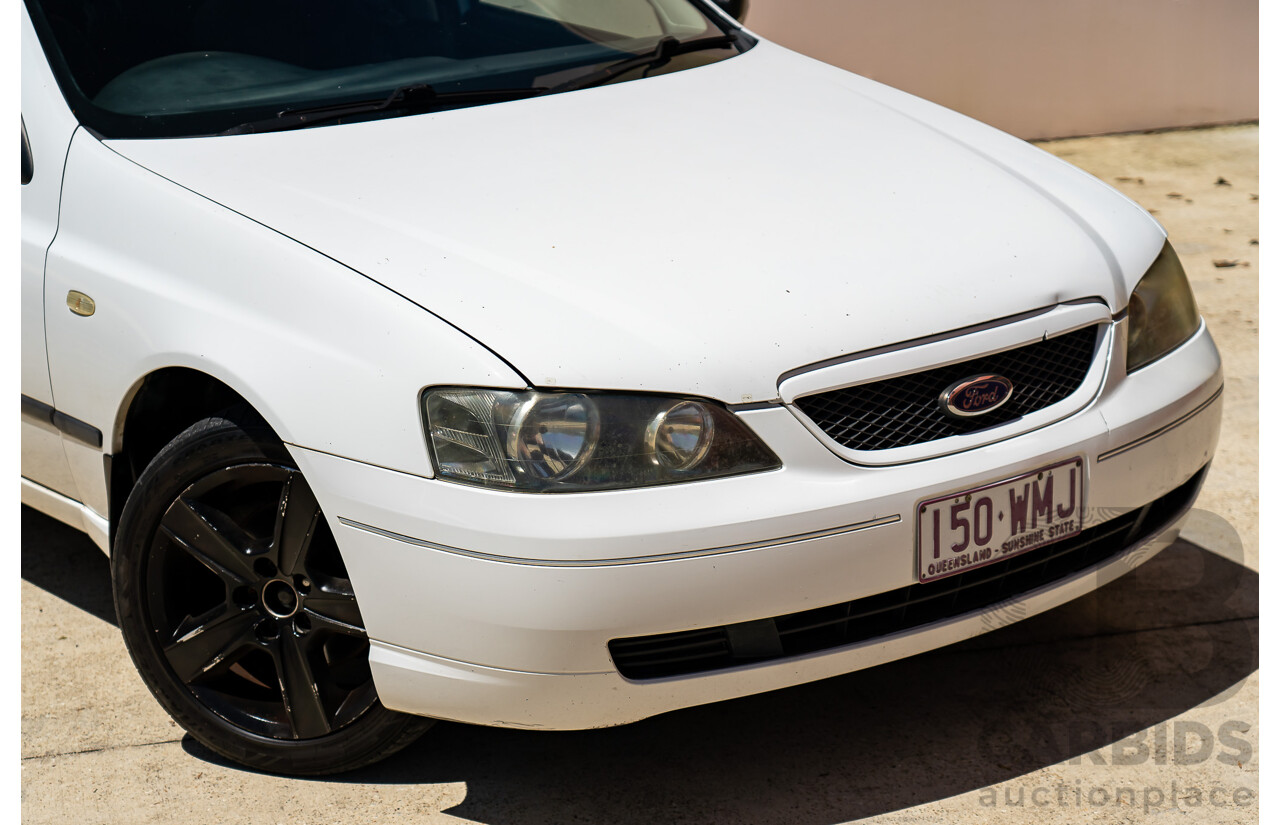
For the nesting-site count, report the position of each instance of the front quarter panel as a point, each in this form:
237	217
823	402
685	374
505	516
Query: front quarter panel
331	359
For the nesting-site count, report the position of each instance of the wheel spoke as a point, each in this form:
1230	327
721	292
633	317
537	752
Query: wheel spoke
353	704
334	611
211	538
209	644
298	687
295	525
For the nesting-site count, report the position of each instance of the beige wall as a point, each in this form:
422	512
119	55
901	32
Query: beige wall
1041	68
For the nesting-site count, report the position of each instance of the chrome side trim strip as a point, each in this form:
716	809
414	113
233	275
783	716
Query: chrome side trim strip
1138	442
688	554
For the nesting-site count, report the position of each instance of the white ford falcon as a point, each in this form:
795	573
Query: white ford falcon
555	364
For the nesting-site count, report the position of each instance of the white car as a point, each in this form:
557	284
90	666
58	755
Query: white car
614	359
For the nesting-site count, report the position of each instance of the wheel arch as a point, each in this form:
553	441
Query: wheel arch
159	406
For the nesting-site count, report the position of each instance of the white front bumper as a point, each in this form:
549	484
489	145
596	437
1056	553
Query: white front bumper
497	608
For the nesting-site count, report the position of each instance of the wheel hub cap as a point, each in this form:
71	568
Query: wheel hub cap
280	598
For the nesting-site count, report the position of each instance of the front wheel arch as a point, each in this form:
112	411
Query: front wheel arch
158	407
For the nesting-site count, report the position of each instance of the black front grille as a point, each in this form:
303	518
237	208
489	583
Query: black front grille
715	648
898	412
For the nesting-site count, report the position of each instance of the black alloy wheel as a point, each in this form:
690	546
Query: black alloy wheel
238	611
261	626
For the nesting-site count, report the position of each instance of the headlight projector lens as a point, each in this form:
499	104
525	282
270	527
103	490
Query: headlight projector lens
679	437
552	436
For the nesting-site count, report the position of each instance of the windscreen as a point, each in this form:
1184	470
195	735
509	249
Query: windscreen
149	68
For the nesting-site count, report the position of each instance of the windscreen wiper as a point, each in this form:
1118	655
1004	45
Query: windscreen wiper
667	48
418	97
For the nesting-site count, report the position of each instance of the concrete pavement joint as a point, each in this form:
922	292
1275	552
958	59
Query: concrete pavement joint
102	749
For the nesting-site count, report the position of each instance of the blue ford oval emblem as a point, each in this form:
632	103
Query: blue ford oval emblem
976	395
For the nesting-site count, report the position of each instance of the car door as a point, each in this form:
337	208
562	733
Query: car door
47	127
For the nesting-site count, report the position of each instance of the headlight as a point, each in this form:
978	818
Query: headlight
1162	311
554	442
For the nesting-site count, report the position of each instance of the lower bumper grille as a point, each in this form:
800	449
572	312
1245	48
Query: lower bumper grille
716	648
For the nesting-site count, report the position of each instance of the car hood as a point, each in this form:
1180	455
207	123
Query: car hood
697	232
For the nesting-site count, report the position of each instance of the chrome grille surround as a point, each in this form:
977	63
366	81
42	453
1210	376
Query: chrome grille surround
904	411
882	407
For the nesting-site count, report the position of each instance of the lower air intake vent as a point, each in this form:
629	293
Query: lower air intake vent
715	648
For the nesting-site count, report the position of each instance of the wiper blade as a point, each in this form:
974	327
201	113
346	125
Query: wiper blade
419	97
667	48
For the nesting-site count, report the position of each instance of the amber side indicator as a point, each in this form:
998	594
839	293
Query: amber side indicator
80	304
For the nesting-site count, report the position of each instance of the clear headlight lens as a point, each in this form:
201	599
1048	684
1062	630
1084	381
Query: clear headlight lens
679	437
553	436
553	442
1162	311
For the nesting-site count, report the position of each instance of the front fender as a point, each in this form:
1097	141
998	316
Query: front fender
331	359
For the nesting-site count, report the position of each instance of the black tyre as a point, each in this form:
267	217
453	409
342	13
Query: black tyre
237	610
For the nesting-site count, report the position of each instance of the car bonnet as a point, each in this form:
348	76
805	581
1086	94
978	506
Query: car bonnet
699	232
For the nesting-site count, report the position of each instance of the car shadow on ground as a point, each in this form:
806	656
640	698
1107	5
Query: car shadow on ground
64	562
1178	632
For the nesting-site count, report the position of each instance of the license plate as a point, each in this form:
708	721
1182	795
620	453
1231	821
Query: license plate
971	529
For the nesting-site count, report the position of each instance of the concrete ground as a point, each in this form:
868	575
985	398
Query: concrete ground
1139	700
